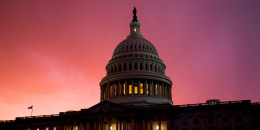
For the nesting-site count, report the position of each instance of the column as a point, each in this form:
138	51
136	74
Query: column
113	89
109	124
145	87
132	87
151	89
88	126
124	125
101	94
80	126
167	91
139	87
168	124
119	89
151	125
107	91
101	124
59	127
163	90
158	89
159	123
126	88
143	125
170	92
120	125
133	124
95	125
116	124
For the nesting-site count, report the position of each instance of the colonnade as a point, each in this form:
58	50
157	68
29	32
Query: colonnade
117	124
135	87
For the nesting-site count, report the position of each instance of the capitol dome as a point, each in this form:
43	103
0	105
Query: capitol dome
135	73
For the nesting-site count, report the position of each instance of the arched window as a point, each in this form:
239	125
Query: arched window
135	66
146	67
115	87
141	66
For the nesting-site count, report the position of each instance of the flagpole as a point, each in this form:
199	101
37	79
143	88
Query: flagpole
32	111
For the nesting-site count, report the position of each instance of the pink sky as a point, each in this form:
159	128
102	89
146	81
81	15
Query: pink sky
53	53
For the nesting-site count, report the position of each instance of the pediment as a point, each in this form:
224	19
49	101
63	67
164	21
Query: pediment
106	107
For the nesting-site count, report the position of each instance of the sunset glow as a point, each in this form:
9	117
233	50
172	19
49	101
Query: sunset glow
53	53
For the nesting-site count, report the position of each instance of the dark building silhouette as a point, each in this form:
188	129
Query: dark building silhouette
136	95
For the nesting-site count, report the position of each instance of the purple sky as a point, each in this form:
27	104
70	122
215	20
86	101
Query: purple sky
53	53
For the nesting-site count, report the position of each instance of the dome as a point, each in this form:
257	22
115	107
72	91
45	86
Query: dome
135	44
136	74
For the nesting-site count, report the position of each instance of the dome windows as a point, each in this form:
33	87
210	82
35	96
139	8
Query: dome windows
135	88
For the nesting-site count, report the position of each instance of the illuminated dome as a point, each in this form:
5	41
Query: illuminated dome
136	74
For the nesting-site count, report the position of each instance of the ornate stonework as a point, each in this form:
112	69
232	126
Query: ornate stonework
136	74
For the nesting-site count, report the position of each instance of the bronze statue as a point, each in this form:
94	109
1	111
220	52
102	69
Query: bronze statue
134	17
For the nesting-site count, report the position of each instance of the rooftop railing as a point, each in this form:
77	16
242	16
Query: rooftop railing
217	103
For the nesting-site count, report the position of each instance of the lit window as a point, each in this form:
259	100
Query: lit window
110	90
38	128
110	127
156	89
136	90
47	128
130	89
141	88
124	89
134	29
54	128
157	127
